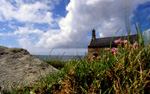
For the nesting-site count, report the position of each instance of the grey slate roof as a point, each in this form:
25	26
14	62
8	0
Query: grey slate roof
105	42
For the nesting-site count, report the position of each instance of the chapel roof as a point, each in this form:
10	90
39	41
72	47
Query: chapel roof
105	42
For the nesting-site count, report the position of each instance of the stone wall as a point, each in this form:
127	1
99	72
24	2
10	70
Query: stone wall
91	51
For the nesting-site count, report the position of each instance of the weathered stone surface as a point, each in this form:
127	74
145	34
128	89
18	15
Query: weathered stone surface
92	51
19	67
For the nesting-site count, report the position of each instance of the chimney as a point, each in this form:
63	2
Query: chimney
93	34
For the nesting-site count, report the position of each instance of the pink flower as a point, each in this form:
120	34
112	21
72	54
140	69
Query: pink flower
124	42
114	49
135	44
105	56
131	45
106	49
117	41
118	53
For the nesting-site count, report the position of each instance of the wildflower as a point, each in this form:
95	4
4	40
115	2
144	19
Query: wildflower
98	58
105	56
114	50
117	41
106	49
124	42
117	53
131	45
135	44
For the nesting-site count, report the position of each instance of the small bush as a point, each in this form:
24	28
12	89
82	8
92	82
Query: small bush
56	63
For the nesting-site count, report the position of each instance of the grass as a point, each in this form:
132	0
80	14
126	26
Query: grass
56	63
112	73
125	73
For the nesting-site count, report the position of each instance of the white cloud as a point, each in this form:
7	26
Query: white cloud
91	2
10	24
37	12
27	30
84	15
39	42
2	29
41	49
32	13
107	16
25	43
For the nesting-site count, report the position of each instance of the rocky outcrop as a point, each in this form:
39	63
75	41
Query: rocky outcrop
19	67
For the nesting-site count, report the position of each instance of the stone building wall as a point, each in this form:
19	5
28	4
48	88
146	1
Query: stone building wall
91	51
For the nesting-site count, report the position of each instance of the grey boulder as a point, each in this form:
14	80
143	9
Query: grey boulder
18	67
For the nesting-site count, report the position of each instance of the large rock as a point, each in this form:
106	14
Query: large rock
19	67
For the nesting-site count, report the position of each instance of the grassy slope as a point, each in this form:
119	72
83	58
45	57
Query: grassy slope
125	73
111	73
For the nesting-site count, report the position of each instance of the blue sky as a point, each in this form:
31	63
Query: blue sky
65	25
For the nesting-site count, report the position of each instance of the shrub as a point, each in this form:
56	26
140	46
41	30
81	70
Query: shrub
56	63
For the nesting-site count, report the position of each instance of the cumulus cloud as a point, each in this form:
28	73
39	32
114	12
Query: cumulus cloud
107	16
84	15
36	42
25	43
33	12
27	30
